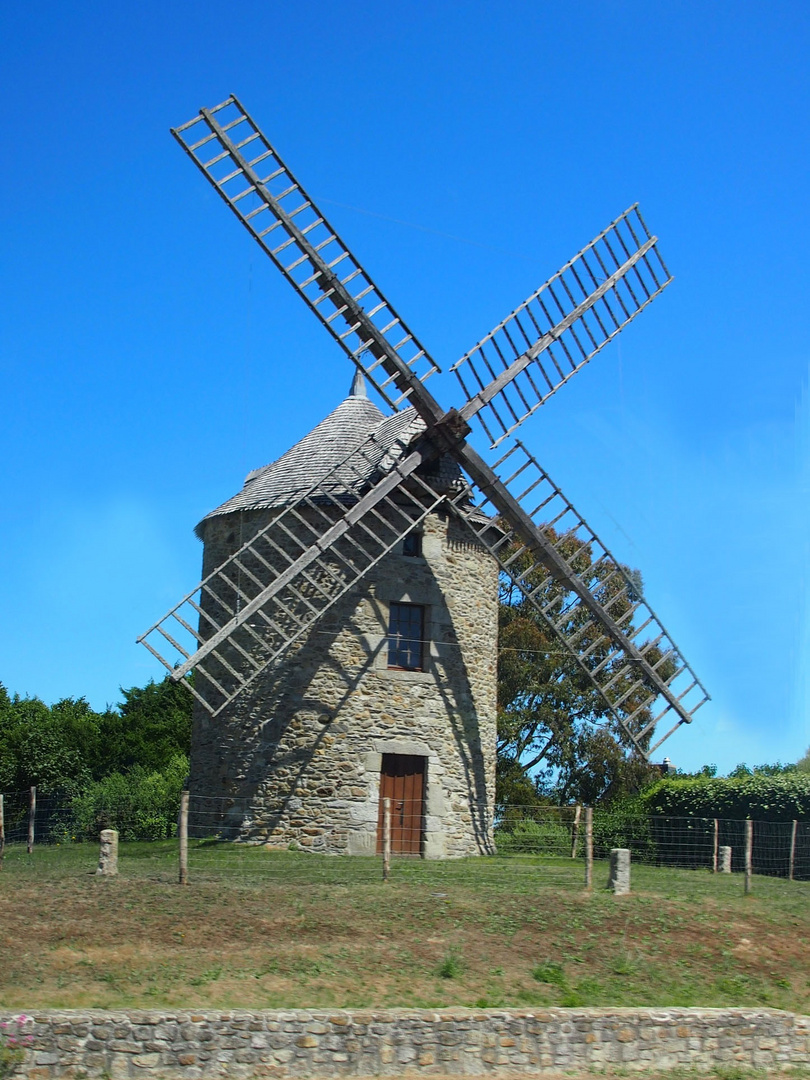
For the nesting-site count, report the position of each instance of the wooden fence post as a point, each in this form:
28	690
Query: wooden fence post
575	830
588	847
791	861
386	838
32	813
749	850
715	848
182	832
2	833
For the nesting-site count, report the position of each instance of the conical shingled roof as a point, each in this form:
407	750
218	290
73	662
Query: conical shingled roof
314	461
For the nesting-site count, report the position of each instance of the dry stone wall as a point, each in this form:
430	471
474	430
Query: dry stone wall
299	1043
298	754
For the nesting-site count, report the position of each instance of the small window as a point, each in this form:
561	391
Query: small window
406	632
412	544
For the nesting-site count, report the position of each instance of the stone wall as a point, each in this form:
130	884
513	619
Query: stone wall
299	1043
299	752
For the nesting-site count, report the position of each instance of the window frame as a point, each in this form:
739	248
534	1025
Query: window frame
413	539
404	647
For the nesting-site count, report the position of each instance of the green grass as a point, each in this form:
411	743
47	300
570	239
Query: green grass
283	929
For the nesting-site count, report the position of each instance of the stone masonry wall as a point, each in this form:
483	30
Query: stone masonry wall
301	1043
299	753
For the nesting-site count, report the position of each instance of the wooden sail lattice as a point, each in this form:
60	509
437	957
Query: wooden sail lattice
599	615
267	596
518	366
247	172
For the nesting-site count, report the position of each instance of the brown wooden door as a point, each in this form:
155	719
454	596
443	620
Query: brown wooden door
402	780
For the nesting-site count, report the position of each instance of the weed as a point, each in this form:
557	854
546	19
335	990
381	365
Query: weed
451	967
209	976
624	966
571	999
550	973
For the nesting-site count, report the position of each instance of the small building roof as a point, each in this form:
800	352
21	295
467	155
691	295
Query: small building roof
320	453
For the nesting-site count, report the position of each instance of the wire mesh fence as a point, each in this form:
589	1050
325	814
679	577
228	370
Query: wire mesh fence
230	840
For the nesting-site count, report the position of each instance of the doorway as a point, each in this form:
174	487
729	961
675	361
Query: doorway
402	780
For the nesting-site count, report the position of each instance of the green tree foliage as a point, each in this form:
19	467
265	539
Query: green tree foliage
552	723
150	728
53	748
68	746
781	797
140	804
803	764
778	769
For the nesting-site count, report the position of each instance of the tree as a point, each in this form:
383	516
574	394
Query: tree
150	728
553	725
777	769
67	746
51	748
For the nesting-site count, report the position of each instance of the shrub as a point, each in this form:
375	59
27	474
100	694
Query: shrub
784	797
13	1044
534	838
141	805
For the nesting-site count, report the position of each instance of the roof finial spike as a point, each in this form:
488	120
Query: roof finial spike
358	385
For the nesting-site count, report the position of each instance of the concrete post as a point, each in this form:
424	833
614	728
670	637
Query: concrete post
108	853
725	859
619	879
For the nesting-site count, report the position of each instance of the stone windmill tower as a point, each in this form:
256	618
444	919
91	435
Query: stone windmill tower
392	695
343	636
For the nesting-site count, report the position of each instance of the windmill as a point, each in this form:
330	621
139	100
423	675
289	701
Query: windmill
267	594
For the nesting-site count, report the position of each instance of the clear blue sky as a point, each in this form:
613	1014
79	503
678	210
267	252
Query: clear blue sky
150	355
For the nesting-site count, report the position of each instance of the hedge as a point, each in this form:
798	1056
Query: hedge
762	798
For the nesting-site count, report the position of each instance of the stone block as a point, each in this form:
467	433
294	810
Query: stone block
108	853
619	877
125	1046
146	1061
724	859
119	1066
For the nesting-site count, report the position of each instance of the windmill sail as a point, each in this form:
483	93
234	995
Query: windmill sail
590	603
234	155
518	366
268	595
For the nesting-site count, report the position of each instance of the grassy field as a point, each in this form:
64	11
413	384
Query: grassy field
271	930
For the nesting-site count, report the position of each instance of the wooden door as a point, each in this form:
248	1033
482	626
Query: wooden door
402	780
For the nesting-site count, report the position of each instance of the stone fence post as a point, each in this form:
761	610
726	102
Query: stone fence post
108	853
619	879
